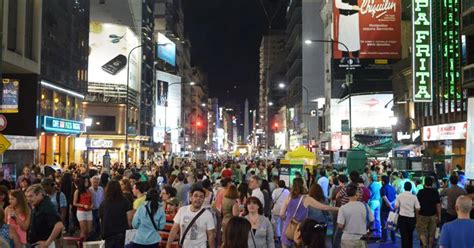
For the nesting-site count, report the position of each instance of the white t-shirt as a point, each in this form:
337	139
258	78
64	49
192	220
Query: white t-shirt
258	193
408	203
324	183
279	196
353	216
197	234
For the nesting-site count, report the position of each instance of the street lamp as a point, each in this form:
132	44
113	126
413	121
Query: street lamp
87	123
281	85
348	82
270	103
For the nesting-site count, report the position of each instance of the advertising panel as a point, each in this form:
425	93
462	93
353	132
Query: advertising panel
422	54
470	140
162	93
451	131
369	29
9	96
166	49
371	128
110	45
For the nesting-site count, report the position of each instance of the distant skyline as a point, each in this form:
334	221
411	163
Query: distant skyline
225	38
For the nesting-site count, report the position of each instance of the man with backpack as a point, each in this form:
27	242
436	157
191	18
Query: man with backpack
57	197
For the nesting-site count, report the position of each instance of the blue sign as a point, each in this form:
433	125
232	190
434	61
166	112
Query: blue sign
166	49
52	124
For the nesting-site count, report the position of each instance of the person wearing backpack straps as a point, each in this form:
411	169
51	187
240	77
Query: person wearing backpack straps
194	223
148	220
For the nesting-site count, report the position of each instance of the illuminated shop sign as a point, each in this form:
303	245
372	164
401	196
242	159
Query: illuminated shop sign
451	47
422	62
451	131
100	143
52	124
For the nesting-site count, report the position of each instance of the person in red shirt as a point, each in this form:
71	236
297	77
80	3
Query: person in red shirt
226	172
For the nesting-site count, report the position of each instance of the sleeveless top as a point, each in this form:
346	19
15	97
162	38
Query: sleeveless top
85	199
20	232
301	212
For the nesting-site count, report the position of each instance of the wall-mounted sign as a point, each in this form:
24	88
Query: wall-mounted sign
407	136
9	96
100	143
52	124
451	131
422	59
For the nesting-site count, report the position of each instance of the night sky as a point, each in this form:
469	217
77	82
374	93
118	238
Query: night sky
225	36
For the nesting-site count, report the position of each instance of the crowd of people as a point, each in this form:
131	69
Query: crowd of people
231	204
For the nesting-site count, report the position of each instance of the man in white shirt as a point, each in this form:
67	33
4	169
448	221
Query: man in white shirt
254	185
407	204
354	218
279	196
323	181
203	229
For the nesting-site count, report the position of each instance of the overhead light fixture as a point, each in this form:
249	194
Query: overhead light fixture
61	89
308	42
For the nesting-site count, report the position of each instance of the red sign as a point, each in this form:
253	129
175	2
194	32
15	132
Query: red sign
371	29
3	122
451	131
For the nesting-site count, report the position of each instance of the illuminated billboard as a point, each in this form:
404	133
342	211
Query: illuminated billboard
422	54
167	106
110	45
371	125
470	140
166	49
368	29
9	96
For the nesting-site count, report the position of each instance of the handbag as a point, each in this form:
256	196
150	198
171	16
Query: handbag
392	221
151	217
130	235
293	225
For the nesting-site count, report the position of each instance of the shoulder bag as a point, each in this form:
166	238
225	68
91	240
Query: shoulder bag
151	218
181	241
293	225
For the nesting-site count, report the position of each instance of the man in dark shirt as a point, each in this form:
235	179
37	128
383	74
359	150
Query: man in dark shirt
45	225
430	213
388	195
5	182
453	193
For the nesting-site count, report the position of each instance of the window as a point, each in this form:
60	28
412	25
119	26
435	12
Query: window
12	25
29	28
102	123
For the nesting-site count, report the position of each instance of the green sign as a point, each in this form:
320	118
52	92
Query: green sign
451	41
422	59
51	124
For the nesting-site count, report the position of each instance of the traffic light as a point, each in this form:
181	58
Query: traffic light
275	125
198	123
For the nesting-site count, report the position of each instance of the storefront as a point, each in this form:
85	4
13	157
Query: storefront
99	145
446	144
57	140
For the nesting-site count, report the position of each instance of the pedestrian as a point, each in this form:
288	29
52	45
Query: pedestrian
127	189
452	193
167	193
261	235
171	209
237	233
374	204
295	208
323	181
18	214
5	182
388	195
230	205
254	185
97	193
194	223
148	220
354	219
458	233
407	203
4	201
66	187
83	203
279	196
337	202
8	233
57	198
139	191
182	189
267	196
45	225
26	175
430	213
311	234
115	214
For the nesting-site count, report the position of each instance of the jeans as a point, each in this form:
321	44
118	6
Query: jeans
337	236
375	207
406	226
95	225
115	241
277	225
384	217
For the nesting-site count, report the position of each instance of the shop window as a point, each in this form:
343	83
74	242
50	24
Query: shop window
102	123
46	102
59	103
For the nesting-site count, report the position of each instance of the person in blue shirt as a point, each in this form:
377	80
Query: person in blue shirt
147	228
458	233
388	195
374	203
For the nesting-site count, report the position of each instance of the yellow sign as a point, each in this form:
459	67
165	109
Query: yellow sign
4	144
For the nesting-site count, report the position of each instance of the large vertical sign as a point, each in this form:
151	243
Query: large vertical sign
422	52
451	47
470	140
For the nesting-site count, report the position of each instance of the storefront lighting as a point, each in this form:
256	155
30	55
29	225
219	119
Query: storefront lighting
61	89
68	103
42	133
56	100
97	123
43	96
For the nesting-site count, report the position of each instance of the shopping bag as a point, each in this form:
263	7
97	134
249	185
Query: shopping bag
392	221
130	235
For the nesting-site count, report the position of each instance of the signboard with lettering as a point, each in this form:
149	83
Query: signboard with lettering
422	53
100	143
9	96
451	131
52	124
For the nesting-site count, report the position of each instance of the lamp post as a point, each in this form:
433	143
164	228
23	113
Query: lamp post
348	82
87	123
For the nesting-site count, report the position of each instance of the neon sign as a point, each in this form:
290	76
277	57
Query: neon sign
422	59
451	47
52	124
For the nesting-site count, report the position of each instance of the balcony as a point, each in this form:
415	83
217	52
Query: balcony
468	81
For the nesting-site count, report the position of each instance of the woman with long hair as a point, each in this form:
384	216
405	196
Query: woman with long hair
115	214
18	214
237	233
296	208
83	202
244	194
261	235
8	233
148	220
316	192
267	196
126	189
230	205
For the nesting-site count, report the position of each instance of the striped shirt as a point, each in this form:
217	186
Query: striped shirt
165	233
